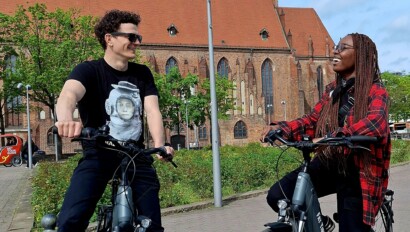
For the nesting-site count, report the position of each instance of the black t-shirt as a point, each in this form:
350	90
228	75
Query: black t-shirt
114	97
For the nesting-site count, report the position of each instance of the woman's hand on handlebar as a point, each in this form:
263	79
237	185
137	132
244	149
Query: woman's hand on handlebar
69	129
266	130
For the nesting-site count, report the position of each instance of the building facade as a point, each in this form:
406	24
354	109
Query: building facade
277	57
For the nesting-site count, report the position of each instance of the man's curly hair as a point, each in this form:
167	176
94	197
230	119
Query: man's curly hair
111	23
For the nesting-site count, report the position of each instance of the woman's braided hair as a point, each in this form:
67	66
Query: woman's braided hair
367	73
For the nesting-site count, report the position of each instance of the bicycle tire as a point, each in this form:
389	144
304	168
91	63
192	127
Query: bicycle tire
384	220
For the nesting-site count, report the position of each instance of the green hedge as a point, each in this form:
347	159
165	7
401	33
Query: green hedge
242	169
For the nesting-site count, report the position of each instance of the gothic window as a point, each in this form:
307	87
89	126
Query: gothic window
240	131
320	81
267	88
50	137
14	104
202	132
171	62
223	68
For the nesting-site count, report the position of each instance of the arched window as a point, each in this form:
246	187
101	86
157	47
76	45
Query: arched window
320	81
171	62
50	137
223	68
202	132
14	117
240	131
267	88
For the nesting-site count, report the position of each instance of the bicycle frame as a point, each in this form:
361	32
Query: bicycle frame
304	213
305	207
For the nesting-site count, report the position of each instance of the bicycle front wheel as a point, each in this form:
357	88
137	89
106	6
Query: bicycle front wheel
384	221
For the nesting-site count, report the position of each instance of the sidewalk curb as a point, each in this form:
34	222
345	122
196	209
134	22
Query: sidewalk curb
209	203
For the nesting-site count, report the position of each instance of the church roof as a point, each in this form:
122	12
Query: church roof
304	24
235	23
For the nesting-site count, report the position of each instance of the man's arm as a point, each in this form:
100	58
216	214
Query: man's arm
154	119
155	124
71	93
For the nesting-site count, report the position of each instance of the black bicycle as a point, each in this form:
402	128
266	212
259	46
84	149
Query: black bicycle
120	216
303	213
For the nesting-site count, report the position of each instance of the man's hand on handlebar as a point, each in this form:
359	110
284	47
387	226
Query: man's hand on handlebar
69	129
170	152
266	130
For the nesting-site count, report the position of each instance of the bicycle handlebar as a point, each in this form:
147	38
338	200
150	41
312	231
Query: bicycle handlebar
102	136
330	141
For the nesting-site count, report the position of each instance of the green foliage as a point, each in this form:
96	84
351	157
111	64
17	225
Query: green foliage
49	185
400	151
398	88
243	169
181	95
48	45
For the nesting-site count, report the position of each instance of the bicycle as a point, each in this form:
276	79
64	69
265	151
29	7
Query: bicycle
303	213
119	216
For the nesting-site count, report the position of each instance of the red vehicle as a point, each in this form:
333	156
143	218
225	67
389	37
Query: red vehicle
10	154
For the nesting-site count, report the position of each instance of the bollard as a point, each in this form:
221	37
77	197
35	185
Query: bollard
49	222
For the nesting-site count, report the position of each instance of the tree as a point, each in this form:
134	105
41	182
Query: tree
398	88
48	45
177	92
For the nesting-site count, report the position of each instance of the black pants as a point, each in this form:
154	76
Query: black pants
87	186
327	180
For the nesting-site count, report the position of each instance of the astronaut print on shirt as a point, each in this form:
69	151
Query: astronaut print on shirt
124	108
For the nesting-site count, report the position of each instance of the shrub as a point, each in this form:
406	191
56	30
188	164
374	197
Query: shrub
243	169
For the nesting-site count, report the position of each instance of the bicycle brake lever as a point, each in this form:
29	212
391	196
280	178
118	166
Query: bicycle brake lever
167	157
358	146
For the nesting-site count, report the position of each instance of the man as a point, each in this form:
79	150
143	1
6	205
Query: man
99	89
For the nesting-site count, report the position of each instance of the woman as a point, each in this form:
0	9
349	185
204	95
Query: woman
354	104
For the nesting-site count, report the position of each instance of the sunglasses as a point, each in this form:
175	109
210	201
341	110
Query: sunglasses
131	36
340	47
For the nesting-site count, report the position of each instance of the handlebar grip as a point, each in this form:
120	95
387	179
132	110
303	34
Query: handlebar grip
363	139
272	136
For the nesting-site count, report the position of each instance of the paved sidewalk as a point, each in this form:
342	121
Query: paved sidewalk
15	194
251	214
236	215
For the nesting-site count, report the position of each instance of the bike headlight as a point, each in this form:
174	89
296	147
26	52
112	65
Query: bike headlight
282	204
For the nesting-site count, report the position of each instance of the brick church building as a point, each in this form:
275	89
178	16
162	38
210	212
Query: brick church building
277	57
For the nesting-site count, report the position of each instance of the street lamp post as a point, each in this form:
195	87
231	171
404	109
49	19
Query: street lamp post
283	102
187	124
269	106
30	155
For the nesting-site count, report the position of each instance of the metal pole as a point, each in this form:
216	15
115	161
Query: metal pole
187	124
30	154
214	116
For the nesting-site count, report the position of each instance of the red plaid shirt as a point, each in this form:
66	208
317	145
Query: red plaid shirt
374	124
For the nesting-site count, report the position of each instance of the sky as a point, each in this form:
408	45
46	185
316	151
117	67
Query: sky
386	22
